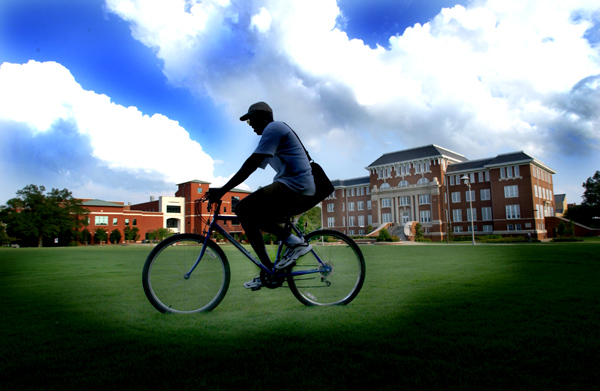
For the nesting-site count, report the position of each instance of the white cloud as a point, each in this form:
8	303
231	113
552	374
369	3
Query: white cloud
44	98
262	20
495	76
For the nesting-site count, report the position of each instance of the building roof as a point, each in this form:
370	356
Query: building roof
498	161
195	181
427	151
365	180
101	203
238	190
468	166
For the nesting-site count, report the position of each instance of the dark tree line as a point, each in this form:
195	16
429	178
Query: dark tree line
35	218
588	213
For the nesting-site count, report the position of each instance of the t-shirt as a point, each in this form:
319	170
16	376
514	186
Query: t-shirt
287	157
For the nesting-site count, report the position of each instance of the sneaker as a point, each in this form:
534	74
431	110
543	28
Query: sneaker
254	284
292	254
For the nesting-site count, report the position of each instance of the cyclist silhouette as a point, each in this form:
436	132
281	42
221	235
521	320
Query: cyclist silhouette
288	195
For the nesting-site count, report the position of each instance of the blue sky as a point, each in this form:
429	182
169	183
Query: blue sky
122	99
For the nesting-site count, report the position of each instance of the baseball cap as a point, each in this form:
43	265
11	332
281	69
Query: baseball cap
256	107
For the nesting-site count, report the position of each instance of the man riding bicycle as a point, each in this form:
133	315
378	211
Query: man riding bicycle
288	195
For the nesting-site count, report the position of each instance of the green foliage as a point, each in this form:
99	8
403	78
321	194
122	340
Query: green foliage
310	220
591	194
34	216
418	232
159	234
131	233
85	236
115	236
100	236
4	238
269	239
384	236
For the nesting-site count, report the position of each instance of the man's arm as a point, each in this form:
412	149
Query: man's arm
249	166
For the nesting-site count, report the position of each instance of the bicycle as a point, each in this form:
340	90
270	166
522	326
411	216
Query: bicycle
190	273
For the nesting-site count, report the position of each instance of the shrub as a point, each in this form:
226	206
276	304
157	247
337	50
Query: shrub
384	236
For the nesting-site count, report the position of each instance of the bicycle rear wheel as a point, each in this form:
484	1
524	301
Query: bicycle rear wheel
338	286
164	279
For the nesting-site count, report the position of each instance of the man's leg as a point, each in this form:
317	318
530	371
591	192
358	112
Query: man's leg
248	210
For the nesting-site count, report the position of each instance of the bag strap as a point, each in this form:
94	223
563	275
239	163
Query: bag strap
307	154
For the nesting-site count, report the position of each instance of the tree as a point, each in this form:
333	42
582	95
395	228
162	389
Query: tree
131	233
4	238
85	236
588	212
33	216
160	234
100	235
591	194
115	236
311	218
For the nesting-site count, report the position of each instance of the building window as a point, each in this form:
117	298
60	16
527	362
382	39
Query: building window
369	205
384	186
361	221
451	180
470	195
350	206
480	175
486	213
471	214
331	222
424	199
134	222
351	221
173	209
457	228
456	215
474	228
126	221
199	190
456	196
510	227
172	223
360	205
404	200
330	207
234	202
513	212
425	216
369	220
403	184
386	202
386	217
423	181
101	220
115	221
484	194
488	228
511	191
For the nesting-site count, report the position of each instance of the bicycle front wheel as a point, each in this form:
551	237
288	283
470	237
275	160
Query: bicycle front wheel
339	266
166	284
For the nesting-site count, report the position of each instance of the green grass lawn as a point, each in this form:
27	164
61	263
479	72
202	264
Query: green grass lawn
457	317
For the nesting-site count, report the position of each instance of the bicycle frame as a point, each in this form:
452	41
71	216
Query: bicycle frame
214	226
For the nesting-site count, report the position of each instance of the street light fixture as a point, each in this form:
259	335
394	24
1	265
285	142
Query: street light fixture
468	183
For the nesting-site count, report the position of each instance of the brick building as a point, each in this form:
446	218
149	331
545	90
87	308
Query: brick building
511	194
176	213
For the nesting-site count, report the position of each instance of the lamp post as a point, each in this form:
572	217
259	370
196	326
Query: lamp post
468	183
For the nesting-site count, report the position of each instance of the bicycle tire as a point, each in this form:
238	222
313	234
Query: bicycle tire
339	286
163	275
